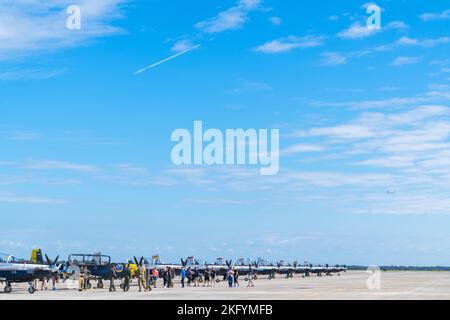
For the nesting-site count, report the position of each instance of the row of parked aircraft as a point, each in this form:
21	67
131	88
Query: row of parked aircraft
13	270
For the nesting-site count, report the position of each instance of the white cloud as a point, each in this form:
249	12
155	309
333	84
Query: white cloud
396	25
394	102
401	61
183	45
333	59
301	148
276	21
349	131
423	43
290	43
356	31
29	74
6	197
61	165
231	19
407	41
444	15
28	26
334	17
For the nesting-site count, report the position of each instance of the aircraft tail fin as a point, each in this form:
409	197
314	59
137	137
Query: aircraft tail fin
36	256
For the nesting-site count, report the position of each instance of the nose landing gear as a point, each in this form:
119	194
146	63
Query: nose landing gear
8	288
31	289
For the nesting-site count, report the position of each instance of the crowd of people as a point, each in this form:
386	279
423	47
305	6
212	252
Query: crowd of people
45	280
148	279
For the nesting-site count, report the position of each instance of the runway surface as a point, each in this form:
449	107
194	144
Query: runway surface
352	285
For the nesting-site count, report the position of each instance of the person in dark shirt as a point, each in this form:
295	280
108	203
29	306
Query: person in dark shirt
166	277
127	278
189	276
207	278
170	276
236	278
213	277
113	275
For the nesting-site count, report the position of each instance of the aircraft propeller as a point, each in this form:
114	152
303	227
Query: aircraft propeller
50	263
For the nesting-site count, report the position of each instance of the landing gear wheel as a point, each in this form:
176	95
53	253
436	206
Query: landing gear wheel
8	288
89	286
122	286
31	290
100	285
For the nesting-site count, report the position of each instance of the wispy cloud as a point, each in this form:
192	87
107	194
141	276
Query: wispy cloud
444	15
333	58
246	86
231	19
408	42
290	43
60	165
301	148
29	74
432	96
34	25
358	30
276	21
6	197
401	61
183	45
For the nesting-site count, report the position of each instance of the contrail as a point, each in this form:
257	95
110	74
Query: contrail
167	59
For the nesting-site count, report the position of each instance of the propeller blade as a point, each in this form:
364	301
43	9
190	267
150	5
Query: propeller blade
48	260
56	260
136	260
141	262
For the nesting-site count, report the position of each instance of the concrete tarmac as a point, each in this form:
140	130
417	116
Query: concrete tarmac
351	285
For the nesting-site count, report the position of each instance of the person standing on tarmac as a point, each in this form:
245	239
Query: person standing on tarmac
87	278
82	284
155	277
236	278
196	277
207	278
189	276
230	278
169	278
141	278
149	280
213	277
127	278
113	275
166	277
183	277
54	280
250	279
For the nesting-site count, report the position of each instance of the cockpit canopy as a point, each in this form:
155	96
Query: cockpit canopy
7	258
90	259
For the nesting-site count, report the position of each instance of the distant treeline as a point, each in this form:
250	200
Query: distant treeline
401	268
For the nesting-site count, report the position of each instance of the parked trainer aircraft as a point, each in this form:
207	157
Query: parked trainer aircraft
13	270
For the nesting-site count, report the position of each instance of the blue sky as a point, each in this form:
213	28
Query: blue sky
363	115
